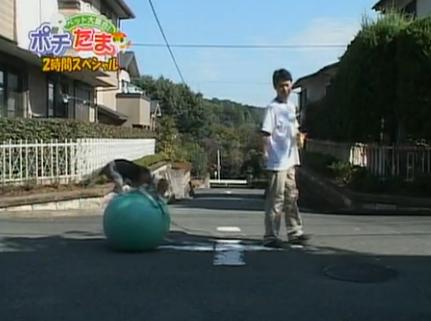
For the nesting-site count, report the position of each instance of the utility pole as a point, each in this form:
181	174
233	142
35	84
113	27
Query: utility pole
218	164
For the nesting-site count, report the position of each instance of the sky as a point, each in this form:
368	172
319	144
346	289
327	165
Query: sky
242	75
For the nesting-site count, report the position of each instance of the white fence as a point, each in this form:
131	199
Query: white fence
397	160
43	162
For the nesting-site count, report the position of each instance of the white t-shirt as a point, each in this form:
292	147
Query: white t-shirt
281	123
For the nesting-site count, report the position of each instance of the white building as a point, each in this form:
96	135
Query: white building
26	91
312	88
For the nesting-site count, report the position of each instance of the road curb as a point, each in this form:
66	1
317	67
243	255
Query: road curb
55	208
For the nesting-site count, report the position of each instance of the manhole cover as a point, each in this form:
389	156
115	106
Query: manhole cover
360	272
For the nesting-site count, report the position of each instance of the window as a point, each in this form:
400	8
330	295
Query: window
57	105
51	99
10	94
61	106
13	102
83	103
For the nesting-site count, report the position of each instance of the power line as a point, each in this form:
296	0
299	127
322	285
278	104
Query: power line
166	42
244	46
229	82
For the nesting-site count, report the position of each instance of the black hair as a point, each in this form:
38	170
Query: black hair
281	75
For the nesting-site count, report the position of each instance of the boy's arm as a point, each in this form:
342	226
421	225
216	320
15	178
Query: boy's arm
267	129
265	143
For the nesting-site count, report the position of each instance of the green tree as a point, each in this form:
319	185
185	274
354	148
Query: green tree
167	137
194	128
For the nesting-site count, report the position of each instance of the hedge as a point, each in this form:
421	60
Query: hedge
149	160
46	129
385	73
414	91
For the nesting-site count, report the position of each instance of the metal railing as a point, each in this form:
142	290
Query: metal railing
45	162
404	161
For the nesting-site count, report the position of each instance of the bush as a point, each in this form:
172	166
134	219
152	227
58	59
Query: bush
414	66
46	129
149	160
319	162
361	180
192	152
384	74
346	173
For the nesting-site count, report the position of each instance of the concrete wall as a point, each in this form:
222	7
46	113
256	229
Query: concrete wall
179	183
136	107
131	108
424	8
107	97
7	19
30	18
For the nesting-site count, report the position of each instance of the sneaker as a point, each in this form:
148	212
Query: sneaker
274	243
298	239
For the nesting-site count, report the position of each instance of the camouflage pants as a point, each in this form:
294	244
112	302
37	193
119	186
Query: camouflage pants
281	198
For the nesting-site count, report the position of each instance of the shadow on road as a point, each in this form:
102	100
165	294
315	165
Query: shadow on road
251	200
245	200
63	278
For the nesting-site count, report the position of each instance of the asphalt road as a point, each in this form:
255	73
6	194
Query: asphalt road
61	269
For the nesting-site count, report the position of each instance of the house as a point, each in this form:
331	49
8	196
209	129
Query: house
312	88
126	100
416	8
122	103
27	91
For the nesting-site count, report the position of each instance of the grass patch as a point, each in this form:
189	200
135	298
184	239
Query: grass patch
149	160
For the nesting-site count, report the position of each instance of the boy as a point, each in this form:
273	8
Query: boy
281	136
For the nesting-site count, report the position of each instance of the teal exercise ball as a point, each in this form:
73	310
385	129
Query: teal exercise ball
135	221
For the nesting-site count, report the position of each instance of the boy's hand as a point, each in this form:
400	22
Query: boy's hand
300	139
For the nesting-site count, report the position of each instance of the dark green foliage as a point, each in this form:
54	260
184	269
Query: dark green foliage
150	160
38	129
192	129
384	74
414	63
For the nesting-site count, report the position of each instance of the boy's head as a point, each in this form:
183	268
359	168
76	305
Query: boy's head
282	81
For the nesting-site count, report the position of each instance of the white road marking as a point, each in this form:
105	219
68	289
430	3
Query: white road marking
206	247
229	252
228	229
